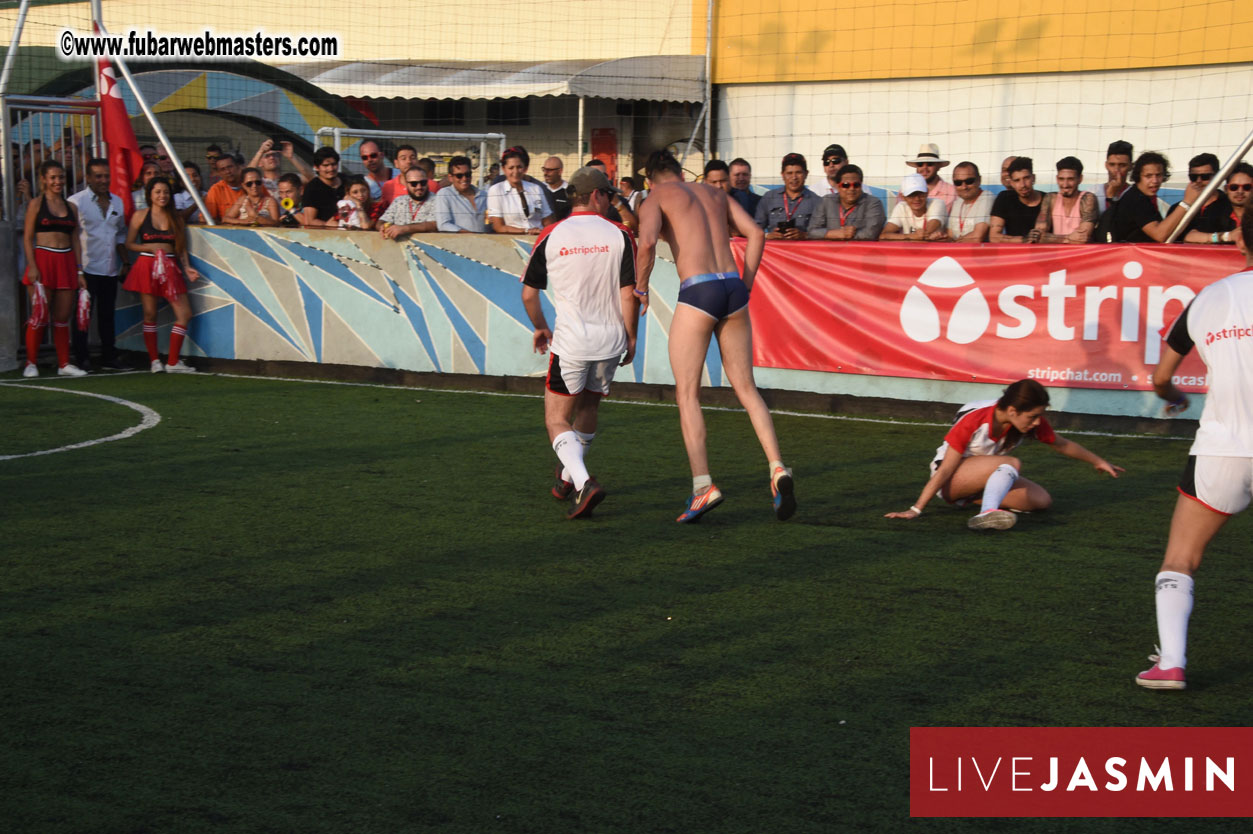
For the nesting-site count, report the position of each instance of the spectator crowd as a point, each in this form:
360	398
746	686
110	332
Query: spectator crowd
401	194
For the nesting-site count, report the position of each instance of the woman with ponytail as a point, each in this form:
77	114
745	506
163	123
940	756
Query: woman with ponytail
973	462
53	276
158	235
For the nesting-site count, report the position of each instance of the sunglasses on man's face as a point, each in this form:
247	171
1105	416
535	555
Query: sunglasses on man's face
550	170
464	176
252	183
850	184
1201	177
967	181
1240	186
833	160
365	157
415	183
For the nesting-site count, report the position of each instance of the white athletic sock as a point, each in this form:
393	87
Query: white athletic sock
586	439
775	464
701	483
570	451
1174	606
999	483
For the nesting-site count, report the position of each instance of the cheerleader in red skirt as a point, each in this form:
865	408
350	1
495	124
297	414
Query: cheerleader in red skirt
158	235
53	252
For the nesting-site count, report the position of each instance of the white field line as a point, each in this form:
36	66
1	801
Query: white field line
150	419
804	414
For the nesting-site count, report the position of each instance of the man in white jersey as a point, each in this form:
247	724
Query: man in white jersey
589	263
1218	480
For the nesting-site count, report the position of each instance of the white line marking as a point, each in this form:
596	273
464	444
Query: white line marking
150	419
811	415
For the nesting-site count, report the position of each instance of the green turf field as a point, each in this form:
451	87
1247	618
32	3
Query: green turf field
305	607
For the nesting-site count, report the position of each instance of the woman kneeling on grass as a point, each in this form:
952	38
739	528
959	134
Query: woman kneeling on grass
158	235
973	458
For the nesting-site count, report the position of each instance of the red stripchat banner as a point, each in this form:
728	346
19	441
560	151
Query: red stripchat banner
1081	771
1068	316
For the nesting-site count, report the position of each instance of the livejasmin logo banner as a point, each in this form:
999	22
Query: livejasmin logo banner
1069	316
1081	771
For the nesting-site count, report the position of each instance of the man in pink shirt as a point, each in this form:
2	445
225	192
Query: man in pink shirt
928	164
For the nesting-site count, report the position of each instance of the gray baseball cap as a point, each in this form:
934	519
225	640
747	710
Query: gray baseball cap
588	179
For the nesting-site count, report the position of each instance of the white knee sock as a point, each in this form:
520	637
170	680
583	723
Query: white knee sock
999	483
586	439
1174	606
570	451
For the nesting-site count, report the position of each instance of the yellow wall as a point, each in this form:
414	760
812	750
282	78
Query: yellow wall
390	30
827	40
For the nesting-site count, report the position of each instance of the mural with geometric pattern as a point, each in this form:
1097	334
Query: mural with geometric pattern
444	303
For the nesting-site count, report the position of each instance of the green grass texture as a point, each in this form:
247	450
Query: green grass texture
307	607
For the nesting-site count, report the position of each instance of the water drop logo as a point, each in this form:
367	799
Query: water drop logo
969	318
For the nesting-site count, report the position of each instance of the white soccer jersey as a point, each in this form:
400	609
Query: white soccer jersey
1219	322
587	259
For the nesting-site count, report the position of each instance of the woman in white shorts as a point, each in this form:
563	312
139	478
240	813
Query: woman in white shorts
1217	482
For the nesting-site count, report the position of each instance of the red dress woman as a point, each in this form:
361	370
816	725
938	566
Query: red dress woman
158	235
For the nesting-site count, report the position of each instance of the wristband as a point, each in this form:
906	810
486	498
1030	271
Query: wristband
1213	238
1184	206
915	509
639	294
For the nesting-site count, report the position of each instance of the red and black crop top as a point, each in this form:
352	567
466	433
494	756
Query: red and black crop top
149	233
46	221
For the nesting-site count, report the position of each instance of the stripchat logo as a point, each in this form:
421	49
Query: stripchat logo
967	321
1125	309
584	250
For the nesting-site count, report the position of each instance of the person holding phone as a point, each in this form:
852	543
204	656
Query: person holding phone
785	212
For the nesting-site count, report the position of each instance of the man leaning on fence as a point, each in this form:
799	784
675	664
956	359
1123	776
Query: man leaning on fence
462	208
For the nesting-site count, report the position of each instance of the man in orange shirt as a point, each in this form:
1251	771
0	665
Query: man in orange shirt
223	193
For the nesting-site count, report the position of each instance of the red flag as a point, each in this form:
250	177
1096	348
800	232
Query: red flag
124	159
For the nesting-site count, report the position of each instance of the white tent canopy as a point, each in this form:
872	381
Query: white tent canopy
648	77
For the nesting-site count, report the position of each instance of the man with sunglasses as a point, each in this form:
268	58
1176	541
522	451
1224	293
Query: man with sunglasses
833	159
970	218
461	209
1214	219
406	157
377	171
269	158
1240	194
411	212
927	164
852	214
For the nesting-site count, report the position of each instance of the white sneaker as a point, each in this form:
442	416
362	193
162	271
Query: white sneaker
30	370
992	520
180	367
70	370
156	367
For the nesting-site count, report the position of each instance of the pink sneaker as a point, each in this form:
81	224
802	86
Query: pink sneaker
1159	678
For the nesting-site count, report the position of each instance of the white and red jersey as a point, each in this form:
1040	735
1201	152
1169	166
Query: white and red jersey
974	433
1219	322
587	259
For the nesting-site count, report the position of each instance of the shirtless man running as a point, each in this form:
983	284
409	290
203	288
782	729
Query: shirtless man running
713	301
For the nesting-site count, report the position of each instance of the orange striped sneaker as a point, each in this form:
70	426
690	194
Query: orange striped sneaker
782	489
698	505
